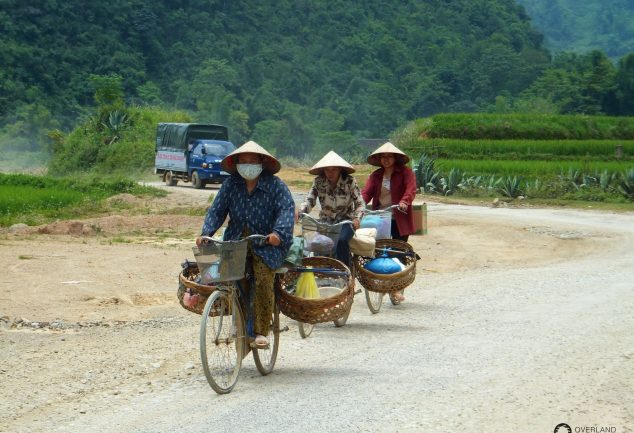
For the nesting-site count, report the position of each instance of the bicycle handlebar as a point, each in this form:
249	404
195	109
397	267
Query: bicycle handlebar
387	209
248	238
316	221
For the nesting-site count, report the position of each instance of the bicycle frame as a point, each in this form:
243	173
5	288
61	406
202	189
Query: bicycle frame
221	354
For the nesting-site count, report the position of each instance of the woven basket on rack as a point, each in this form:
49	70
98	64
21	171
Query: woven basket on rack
186	281
314	310
386	283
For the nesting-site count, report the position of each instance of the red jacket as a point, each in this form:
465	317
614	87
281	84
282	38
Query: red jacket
402	188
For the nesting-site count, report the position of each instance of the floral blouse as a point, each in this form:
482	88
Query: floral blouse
343	202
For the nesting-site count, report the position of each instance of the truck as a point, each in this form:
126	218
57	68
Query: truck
191	152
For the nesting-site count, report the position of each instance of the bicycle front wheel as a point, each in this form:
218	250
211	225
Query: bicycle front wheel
222	336
374	300
265	358
342	320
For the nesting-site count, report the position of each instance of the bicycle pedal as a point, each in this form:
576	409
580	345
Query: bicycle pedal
252	345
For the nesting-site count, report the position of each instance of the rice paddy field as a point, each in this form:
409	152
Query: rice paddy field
541	157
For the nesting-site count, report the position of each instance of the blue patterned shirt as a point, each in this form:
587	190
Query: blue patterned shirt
269	208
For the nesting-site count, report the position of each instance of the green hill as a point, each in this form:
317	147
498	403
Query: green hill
583	26
305	75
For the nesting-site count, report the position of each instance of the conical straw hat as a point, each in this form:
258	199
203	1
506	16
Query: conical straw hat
269	163
331	160
375	157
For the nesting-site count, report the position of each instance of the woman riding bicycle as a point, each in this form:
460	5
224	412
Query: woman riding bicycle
257	202
339	198
393	183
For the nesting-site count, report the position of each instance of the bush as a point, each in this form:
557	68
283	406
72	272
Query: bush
124	143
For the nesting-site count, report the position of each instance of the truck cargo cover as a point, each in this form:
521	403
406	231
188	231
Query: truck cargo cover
178	135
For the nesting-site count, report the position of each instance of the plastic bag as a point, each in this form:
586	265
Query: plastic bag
382	224
307	286
384	230
398	262
321	244
370	222
211	274
363	242
296	252
383	265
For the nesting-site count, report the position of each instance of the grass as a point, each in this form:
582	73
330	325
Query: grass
38	199
533	169
17	199
605	150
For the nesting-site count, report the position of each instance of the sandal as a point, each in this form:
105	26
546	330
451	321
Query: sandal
261	342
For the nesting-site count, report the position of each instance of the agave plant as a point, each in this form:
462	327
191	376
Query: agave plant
511	186
452	182
626	184
588	180
605	180
426	174
471	182
116	121
491	184
575	177
532	188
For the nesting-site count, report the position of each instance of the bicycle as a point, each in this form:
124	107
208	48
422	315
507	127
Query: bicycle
321	240
226	334
383	226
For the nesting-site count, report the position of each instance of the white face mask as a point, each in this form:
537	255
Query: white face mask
249	171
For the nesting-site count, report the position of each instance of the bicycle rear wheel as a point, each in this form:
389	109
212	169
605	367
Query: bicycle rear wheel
222	335
305	329
265	358
374	300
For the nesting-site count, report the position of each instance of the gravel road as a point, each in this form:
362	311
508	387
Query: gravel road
519	319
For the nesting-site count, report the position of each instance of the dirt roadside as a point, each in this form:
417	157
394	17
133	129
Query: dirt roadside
89	320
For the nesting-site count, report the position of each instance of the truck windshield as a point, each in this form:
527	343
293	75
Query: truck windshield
219	149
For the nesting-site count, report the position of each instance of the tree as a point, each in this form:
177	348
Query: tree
598	82
108	90
625	85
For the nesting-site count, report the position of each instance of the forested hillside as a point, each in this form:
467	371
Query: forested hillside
585	25
297	72
298	76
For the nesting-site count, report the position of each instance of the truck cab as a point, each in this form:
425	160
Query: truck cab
191	152
205	157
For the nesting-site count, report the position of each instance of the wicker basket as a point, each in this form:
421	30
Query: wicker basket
314	310
186	280
387	283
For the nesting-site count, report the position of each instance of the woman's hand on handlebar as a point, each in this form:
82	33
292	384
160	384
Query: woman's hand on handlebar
356	223
273	239
201	240
402	206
